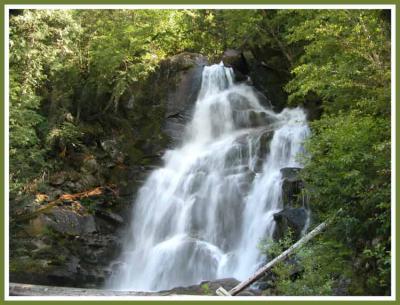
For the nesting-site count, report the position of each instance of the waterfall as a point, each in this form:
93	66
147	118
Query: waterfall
201	216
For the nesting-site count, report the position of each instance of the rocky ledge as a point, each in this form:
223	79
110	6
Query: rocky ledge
206	288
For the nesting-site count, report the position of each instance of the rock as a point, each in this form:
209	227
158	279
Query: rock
58	178
290	218
115	218
87	181
108	146
252	119
66	273
269	73
67	247
209	288
111	147
90	165
18	289
292	186
290	173
188	68
63	220
182	91
236	60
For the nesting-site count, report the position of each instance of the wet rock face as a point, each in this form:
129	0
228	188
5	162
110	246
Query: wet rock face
177	83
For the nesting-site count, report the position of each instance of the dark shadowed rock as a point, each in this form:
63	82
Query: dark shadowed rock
108	215
268	71
290	173
235	59
290	218
175	85
292	186
188	68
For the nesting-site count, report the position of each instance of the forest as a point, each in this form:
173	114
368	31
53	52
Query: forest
88	100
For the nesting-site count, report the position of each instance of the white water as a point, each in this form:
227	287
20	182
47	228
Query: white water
202	215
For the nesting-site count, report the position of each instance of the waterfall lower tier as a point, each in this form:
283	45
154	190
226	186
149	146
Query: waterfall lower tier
201	216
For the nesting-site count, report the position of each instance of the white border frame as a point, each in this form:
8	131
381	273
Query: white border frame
7	297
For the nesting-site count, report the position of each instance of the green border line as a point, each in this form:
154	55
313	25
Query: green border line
226	2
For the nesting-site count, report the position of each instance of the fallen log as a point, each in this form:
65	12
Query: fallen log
260	273
64	197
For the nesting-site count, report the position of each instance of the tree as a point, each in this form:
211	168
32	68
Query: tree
41	44
346	60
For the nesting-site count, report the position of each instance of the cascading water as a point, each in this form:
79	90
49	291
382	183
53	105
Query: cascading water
201	216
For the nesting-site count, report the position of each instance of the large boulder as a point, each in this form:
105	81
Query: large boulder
63	220
187	68
175	85
66	244
236	60
293	219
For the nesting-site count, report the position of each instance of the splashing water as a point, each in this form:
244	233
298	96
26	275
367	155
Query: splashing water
202	215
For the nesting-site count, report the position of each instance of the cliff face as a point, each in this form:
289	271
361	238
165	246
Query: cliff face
69	231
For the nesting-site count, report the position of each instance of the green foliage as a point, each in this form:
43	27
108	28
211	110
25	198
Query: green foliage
349	167
273	248
315	269
66	134
89	204
206	289
120	48
346	60
41	45
345	63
